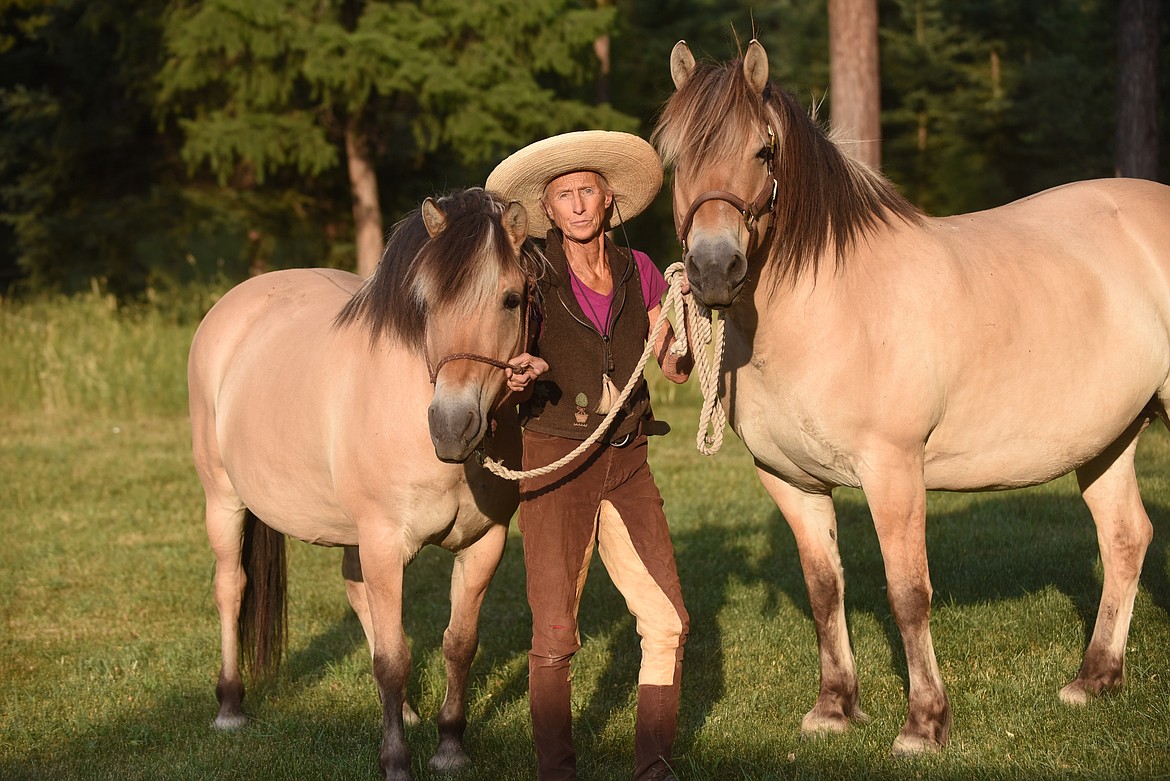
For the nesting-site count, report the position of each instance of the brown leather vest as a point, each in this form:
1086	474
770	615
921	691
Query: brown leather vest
564	400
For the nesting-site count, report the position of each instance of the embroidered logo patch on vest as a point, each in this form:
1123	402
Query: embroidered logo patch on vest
581	417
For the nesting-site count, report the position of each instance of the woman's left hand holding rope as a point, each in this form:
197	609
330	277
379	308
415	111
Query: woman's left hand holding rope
523	370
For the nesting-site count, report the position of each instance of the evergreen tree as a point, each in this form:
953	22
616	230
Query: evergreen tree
168	139
945	102
991	100
79	155
267	86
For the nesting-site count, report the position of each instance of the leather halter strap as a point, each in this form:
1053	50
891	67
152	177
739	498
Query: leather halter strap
529	311
763	204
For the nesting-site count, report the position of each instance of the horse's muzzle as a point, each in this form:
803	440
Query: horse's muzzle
716	272
456	429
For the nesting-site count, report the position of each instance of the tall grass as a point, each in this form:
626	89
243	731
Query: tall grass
109	645
89	355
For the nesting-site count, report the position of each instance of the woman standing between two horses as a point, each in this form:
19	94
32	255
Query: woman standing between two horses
599	304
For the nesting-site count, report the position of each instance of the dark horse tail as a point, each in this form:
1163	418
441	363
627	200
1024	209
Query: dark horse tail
262	612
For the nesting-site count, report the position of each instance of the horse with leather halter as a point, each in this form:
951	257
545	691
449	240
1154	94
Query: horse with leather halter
873	346
344	412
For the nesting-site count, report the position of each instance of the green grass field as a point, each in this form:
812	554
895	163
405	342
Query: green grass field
109	647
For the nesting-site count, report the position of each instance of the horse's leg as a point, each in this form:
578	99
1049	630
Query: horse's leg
896	492
814	524
1110	489
383	561
355	589
225	532
470	576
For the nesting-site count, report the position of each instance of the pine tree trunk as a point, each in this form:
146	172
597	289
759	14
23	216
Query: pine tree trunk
1137	88
601	49
854	84
367	216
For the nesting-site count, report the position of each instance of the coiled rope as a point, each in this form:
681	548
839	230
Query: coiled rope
693	320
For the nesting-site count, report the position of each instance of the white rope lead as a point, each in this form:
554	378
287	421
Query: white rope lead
692	318
704	330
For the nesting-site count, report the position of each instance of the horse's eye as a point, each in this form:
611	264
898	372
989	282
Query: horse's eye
511	300
764	153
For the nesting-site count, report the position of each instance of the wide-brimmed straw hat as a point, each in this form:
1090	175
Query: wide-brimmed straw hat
628	163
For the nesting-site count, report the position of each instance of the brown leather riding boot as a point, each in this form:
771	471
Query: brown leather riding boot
549	699
654	731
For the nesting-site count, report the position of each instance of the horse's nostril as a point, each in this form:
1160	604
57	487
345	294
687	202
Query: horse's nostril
739	266
472	427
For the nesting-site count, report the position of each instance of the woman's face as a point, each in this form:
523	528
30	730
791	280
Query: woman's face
576	203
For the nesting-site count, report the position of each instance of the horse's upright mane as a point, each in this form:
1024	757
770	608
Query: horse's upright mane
418	274
826	200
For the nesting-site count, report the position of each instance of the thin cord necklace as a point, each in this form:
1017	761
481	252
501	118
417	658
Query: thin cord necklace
584	296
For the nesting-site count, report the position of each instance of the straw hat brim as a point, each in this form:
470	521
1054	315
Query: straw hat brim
628	163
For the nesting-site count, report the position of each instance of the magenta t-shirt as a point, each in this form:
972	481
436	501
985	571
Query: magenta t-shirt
596	306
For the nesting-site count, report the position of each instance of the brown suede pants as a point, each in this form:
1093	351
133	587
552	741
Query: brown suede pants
606	498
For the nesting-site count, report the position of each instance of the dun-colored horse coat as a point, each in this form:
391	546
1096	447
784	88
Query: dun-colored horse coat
343	413
870	345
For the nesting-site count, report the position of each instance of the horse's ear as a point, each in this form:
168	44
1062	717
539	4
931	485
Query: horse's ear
755	66
516	223
682	62
433	218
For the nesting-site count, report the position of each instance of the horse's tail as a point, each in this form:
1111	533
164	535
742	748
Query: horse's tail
262	611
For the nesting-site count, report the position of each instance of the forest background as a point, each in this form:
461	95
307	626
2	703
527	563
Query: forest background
154	145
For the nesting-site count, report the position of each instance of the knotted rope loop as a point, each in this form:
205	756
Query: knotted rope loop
699	328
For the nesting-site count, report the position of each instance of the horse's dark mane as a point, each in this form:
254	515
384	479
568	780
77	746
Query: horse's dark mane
826	199
418	274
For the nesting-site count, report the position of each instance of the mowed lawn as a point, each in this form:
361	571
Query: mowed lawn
109	647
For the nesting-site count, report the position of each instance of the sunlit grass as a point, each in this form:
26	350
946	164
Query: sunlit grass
109	646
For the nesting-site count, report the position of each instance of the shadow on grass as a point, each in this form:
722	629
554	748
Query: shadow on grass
293	734
998	547
174	739
308	665
1002	546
